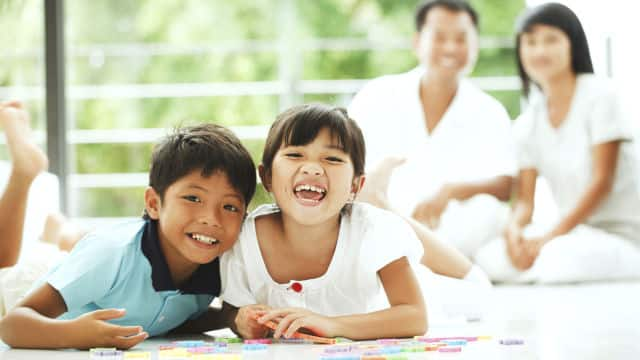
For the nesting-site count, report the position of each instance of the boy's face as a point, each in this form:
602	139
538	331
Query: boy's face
198	219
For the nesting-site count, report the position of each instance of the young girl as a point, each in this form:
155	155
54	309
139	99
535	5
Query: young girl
320	261
575	135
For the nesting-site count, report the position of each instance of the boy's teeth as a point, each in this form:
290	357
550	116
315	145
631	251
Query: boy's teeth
204	239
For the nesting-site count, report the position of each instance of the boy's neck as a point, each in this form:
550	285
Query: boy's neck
179	268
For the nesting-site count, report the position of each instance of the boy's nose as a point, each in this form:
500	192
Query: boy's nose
209	218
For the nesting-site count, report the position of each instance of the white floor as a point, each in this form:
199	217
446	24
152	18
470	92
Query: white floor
587	321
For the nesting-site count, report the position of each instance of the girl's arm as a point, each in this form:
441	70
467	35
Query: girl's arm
406	317
605	159
525	191
33	324
521	216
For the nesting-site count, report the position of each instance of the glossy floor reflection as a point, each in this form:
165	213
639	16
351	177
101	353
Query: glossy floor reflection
587	321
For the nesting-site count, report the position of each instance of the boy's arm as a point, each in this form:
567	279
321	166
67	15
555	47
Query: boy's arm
211	319
32	324
406	317
242	321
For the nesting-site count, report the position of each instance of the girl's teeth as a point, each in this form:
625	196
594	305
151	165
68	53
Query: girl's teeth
309	188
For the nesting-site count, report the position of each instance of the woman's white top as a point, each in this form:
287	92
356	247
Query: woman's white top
564	155
368	240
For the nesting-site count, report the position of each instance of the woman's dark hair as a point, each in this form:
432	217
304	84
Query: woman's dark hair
301	124
561	17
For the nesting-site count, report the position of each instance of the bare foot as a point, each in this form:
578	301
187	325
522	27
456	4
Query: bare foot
28	159
58	230
377	183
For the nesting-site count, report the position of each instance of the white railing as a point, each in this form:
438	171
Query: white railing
285	85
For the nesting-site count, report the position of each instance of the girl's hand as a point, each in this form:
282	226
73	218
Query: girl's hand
516	248
291	320
92	330
533	245
247	324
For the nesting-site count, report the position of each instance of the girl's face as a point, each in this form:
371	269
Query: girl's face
311	183
545	52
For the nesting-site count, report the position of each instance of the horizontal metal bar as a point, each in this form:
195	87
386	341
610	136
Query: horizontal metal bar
218	89
130	136
242	46
110	180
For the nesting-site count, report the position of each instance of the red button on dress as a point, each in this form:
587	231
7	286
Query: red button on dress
296	286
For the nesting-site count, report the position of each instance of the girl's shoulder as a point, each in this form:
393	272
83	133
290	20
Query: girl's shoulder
262	210
368	217
592	87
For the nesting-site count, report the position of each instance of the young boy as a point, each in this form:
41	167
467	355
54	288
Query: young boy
147	277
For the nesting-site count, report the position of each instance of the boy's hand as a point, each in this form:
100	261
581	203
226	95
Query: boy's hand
246	324
91	330
291	320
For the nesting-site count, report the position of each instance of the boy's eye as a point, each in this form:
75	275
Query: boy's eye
191	198
231	208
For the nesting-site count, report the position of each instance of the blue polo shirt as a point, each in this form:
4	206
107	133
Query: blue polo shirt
124	267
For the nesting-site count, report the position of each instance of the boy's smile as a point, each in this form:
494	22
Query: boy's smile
198	219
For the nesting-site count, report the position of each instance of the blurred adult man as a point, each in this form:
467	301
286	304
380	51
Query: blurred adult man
440	143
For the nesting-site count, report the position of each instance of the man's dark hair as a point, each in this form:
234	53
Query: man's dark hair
208	148
453	5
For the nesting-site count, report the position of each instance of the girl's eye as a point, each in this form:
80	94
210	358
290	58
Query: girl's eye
335	159
293	155
231	208
192	198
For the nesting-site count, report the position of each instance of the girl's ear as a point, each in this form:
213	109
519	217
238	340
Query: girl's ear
358	183
415	42
152	203
265	177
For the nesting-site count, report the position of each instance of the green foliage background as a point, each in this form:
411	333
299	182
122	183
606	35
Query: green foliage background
93	28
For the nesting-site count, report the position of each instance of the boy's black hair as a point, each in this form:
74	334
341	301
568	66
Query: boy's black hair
301	124
453	5
561	17
207	147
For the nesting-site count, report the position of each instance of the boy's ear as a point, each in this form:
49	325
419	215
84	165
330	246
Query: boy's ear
152	203
265	178
358	183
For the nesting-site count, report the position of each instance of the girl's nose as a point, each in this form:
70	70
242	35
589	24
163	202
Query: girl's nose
312	169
